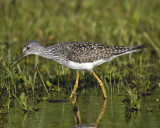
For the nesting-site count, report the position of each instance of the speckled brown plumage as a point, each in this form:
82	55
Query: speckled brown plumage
83	52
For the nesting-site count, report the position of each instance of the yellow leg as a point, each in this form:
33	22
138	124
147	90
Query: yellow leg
75	86
101	84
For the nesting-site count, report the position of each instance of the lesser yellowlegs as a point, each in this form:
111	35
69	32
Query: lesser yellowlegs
78	55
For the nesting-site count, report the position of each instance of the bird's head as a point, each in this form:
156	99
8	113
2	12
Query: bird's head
31	47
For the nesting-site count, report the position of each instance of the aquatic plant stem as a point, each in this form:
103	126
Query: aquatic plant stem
42	80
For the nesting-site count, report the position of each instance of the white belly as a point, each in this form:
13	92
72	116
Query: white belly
84	66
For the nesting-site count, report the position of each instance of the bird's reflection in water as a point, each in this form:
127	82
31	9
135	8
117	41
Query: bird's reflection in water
78	121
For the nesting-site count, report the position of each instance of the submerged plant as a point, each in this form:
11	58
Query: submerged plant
25	103
133	99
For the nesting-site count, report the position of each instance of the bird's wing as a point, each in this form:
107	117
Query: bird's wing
86	51
81	52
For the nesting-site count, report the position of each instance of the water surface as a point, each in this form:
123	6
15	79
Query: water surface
94	111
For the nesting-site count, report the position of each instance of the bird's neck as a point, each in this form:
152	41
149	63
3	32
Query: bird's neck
47	53
42	52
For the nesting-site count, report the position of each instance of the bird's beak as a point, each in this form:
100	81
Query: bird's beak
18	59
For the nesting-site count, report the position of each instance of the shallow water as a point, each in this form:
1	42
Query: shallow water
94	111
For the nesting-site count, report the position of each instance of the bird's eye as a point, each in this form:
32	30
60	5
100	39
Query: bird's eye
28	48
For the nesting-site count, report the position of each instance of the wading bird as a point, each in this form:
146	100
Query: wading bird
78	56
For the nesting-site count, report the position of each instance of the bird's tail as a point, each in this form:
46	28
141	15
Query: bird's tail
128	49
137	48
